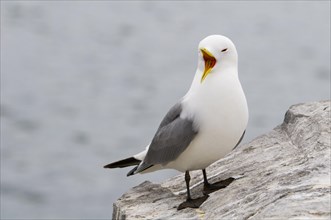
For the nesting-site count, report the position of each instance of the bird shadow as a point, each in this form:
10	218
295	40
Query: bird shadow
207	189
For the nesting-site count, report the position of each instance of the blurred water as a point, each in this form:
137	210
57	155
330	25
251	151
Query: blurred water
86	83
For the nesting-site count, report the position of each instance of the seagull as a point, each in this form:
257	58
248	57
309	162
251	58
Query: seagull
204	125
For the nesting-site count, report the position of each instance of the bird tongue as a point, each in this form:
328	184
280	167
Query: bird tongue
210	63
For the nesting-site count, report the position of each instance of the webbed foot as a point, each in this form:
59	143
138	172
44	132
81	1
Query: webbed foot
209	188
193	203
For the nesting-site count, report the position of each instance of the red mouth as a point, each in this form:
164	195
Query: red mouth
210	62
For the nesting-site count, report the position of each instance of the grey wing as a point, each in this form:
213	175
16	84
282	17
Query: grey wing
171	139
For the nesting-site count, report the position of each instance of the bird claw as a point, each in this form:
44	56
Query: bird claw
193	203
209	188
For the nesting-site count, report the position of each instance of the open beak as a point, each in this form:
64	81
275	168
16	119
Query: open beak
210	62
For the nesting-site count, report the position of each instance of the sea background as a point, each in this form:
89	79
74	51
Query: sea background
84	83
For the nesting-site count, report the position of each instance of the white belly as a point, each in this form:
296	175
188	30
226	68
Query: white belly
221	116
205	149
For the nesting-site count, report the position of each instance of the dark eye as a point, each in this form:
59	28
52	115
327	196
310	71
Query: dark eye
224	49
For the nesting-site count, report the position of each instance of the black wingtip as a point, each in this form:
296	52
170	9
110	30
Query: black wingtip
142	167
108	166
131	161
131	172
138	169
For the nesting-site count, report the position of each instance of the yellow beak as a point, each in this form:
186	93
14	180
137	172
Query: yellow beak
210	62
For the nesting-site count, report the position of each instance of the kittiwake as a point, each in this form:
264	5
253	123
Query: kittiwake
204	125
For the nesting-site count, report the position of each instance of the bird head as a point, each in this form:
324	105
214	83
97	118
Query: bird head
216	52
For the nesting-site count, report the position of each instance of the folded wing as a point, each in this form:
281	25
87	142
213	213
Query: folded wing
172	137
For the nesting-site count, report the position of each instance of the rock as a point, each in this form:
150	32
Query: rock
284	174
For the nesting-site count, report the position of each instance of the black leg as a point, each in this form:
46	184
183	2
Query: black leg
209	188
205	180
191	203
187	180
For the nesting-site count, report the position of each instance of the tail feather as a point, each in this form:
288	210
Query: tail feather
131	161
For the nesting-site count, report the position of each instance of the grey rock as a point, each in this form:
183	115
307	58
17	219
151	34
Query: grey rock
284	174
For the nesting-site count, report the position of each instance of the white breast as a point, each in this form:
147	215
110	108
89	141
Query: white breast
219	109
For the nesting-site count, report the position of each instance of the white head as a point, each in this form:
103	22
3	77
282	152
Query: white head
216	53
